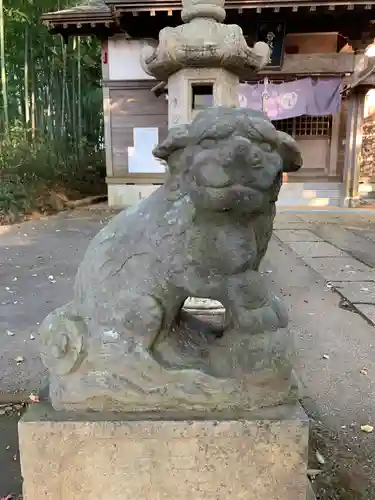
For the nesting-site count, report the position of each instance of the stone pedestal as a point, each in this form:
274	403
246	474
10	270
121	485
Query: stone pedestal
260	456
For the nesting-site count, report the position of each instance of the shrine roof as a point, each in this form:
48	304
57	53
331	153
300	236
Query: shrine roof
86	12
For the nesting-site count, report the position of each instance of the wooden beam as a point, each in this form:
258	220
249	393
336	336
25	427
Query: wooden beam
146	5
353	148
314	64
334	145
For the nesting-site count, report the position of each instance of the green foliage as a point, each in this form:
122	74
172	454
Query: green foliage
30	169
13	197
53	136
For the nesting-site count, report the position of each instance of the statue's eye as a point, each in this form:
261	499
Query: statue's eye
266	147
257	160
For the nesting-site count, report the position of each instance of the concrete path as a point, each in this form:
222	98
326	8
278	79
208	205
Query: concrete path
38	262
322	263
334	340
323	266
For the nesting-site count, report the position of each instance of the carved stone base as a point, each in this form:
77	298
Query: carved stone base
260	455
204	306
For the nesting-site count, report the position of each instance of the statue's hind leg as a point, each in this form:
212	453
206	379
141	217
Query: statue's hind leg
134	316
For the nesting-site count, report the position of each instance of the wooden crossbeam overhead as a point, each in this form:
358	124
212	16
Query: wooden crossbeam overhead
108	9
104	18
129	5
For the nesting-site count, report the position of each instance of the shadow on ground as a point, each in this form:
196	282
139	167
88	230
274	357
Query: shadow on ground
346	471
10	471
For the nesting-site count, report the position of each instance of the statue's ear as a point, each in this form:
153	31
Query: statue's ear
177	138
289	152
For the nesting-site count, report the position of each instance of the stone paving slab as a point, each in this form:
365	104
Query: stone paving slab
341	269
345	217
349	275
368	311
314	249
289	235
349	241
320	327
357	292
288	221
364	233
280	225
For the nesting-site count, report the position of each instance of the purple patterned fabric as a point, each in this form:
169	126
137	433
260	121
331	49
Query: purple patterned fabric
300	97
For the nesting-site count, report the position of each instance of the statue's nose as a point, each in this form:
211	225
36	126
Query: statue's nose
212	175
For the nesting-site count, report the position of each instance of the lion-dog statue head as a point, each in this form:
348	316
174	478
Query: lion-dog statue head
230	159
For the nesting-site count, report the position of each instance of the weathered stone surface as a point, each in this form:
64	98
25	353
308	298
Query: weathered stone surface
262	457
341	269
195	305
368	310
203	42
181	107
119	345
367	164
357	292
315	249
296	235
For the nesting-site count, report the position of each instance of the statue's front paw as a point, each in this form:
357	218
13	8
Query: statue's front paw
271	316
61	342
279	309
262	319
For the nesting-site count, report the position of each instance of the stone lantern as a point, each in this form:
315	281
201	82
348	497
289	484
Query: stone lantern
202	61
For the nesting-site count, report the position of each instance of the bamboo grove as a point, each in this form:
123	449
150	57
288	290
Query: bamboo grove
51	120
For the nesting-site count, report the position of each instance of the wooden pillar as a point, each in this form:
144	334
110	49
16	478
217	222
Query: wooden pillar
334	145
353	147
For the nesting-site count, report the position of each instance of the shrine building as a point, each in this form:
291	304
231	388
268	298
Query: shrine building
316	87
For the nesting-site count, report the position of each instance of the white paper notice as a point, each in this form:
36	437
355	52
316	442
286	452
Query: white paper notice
140	158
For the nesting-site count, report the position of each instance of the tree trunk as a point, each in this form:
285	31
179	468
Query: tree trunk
63	48
26	79
3	70
79	90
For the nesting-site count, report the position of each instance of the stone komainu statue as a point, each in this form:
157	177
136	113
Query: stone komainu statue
118	345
